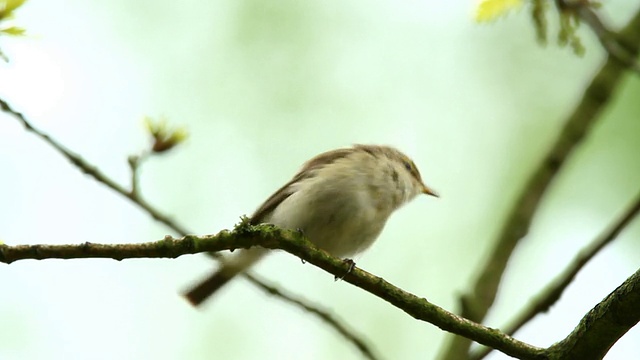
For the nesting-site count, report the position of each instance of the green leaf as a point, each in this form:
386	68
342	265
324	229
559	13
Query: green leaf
490	10
13	31
7	7
11	5
164	137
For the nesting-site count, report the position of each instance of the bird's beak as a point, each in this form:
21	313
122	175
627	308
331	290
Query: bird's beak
427	191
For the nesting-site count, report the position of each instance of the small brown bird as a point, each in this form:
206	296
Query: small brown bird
340	199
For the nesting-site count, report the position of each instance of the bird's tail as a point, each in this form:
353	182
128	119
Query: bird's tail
229	269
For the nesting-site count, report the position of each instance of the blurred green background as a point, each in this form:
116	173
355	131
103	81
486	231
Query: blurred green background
263	86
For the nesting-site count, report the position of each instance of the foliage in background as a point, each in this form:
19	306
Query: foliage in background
6	13
569	18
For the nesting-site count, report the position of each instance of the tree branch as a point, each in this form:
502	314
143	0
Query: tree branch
324	315
596	333
269	236
607	38
135	197
476	304
603	325
94	172
552	293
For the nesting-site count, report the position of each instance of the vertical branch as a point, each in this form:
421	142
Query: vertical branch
552	293
476	303
603	325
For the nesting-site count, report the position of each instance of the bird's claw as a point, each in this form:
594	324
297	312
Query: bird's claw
352	265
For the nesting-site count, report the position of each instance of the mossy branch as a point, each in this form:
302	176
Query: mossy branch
619	311
603	325
268	236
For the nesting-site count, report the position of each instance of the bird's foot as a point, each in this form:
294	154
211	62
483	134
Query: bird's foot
352	265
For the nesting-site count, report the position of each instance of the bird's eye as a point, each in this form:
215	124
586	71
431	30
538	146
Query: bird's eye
407	165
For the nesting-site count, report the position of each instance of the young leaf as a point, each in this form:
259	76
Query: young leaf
490	10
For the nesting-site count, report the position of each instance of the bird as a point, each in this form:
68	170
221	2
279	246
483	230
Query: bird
339	199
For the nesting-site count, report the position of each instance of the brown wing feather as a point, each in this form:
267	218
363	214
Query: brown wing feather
307	170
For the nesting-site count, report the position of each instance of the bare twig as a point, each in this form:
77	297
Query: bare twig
607	38
269	236
324	315
476	303
135	161
94	172
552	293
134	195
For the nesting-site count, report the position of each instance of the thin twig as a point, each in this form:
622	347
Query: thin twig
324	315
291	241
552	292
94	172
606	37
477	302
135	161
134	196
